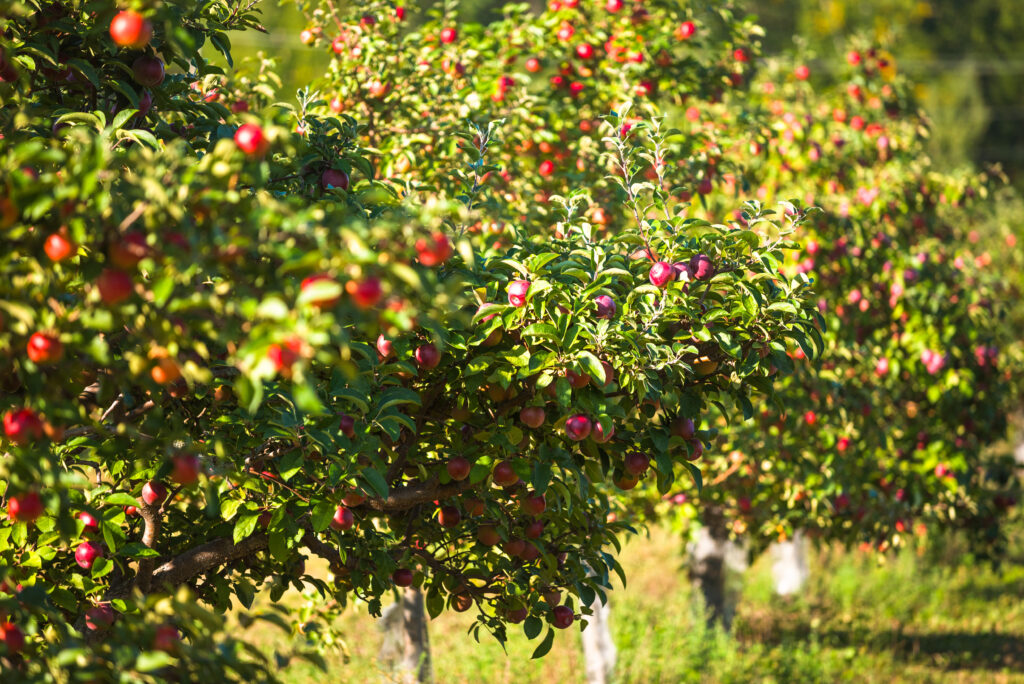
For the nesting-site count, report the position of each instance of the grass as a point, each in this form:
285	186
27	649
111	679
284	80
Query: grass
927	616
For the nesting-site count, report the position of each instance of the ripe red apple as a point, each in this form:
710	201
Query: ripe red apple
514	547
530	553
534	504
637	463
686	30
810	418
661	274
605	306
365	293
517	290
347	425
22	426
683	427
802	72
578	427
250	139
585	50
333	178
130	29
562	617
148	71
577	380
626	482
546	168
701	267
458	468
449	516
166	638
402	577
59	246
115	286
11	637
462	602
343	519
504	474
185	469
86	554
534	530
473	505
326	302
449	35
598	433
43	348
533	65
696	450
385	347
532	416
434	251
127	252
99	617
427	356
353	499
25	507
488	535
153	492
89	520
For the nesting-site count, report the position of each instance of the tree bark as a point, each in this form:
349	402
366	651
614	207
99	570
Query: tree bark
712	557
789	569
598	648
405	652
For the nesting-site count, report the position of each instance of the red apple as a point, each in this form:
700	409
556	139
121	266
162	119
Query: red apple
598	433
402	577
11	637
562	617
343	519
385	347
22	426
185	469
504	474
701	267
43	348
458	468
514	547
532	416
59	247
517	290
153	493
86	554
534	530
25	507
686	30
449	516
449	35
683	427
605	306
626	482
534	504
127	252
347	425
148	71
250	139
115	286
434	251
488	535
661	274
166	638
637	463
427	356
326	302
366	293
89	520
333	178
99	617
578	427
130	29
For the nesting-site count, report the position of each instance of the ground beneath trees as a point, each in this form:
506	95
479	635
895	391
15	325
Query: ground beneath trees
925	616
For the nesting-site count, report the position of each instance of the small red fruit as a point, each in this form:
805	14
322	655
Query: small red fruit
701	267
22	426
533	65
385	347
546	168
661	274
59	247
683	427
449	516
427	356
504	474
402	577
578	427
86	554
517	290
148	71
532	416
25	507
44	348
326	302
166	638
598	434
333	178
343	519
115	286
458	468
637	463
347	425
562	617
605	306
130	29
488	535
250	139
434	251
686	30
11	637
449	35
153	492
186	469
90	522
534	505
365	293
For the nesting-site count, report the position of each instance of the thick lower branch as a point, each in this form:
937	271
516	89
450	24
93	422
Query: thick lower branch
405	498
204	558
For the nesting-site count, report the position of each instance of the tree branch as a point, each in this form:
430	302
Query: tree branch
406	497
204	558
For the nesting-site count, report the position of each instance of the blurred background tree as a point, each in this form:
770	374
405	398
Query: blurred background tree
968	58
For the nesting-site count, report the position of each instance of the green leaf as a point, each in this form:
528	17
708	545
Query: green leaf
376	481
121	499
593	366
279	545
153	660
245	526
545	330
545	645
532	627
322	514
396	396
137	550
695	473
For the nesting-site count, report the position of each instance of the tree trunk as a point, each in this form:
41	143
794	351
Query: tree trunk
712	558
790	570
405	651
598	647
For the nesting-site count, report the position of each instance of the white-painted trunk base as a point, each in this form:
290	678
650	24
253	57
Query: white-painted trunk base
405	651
